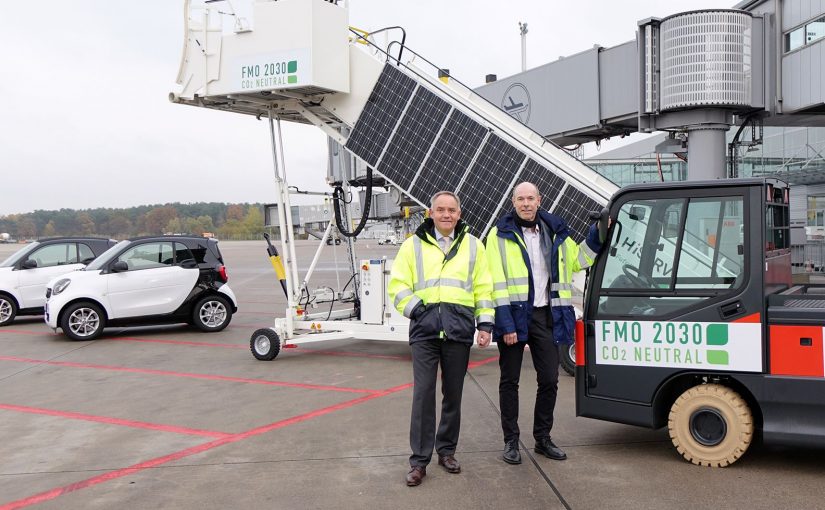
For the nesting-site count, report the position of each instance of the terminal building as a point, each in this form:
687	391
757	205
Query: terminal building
721	93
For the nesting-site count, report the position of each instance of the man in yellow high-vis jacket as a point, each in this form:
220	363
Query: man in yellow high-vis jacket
532	259
440	281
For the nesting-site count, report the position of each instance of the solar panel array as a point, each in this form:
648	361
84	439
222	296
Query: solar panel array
423	144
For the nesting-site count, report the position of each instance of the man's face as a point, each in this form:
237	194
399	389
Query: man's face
445	213
526	201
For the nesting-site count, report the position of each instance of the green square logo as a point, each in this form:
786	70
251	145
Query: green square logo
292	79
292	66
717	334
717	357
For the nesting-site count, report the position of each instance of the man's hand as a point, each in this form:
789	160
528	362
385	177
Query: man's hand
510	338
483	339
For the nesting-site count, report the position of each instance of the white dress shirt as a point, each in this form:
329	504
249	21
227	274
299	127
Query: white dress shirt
541	275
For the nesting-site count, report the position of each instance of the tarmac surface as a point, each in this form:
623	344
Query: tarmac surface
171	418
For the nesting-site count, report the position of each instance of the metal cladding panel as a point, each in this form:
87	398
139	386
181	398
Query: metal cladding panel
489	181
450	157
619	81
414	137
378	120
574	207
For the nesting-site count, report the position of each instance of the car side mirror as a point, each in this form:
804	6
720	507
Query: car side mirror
188	264
29	264
120	266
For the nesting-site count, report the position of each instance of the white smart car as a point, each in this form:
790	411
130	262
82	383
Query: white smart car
149	280
24	275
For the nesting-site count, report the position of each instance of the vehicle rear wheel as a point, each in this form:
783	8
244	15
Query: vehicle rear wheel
212	313
265	344
710	425
567	358
8	310
83	321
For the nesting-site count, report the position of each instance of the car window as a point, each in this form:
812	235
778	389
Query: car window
148	255
18	255
106	256
55	255
85	253
182	253
199	252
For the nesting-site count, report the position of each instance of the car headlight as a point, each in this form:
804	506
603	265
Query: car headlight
60	286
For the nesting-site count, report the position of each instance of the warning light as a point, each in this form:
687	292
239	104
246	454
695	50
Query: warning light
365	267
299	311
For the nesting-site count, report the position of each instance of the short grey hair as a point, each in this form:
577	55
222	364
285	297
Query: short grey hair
442	193
513	194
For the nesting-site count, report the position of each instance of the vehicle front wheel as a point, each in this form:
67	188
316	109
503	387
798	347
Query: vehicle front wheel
8	310
567	358
212	313
83	321
265	344
710	425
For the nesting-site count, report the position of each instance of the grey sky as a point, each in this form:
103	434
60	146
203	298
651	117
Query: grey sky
85	120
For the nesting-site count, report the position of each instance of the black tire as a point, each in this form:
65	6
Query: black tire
83	320
8	310
567	358
212	313
710	425
265	344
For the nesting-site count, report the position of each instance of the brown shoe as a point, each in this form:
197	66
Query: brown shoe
416	475
450	463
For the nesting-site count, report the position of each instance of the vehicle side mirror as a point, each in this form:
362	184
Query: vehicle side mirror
637	213
120	266
188	264
29	264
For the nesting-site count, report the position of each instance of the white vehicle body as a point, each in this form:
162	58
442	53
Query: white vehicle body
134	283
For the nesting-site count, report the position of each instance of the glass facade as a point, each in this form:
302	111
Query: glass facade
793	154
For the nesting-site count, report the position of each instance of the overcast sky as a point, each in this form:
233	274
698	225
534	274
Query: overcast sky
85	121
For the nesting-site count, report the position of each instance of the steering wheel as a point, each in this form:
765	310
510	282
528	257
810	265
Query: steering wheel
639	280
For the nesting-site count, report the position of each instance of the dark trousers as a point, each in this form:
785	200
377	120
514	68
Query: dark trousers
546	361
453	358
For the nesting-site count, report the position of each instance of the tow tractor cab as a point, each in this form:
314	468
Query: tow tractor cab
691	321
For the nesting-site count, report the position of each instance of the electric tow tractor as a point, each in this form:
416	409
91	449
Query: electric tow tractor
692	322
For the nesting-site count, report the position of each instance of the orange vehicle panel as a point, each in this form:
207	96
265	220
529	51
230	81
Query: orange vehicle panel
796	350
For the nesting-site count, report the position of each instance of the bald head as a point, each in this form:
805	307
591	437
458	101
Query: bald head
526	200
526	186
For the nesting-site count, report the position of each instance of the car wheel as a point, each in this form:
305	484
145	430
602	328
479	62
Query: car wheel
710	425
82	321
8	310
265	344
212	313
567	358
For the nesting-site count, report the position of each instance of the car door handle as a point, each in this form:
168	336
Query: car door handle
731	310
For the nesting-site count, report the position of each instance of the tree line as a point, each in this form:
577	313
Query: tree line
225	221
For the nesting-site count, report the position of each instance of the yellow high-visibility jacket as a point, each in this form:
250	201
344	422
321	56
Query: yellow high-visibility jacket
445	296
513	291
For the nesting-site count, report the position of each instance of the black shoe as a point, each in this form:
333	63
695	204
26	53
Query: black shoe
546	447
511	453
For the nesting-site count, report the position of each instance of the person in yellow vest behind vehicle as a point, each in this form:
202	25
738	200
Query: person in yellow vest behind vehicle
532	259
441	283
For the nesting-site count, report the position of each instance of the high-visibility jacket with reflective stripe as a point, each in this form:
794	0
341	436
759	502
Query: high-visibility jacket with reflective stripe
513	290
445	296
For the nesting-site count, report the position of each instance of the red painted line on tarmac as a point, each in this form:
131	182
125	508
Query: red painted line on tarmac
22	332
190	375
136	468
177	342
114	421
474	364
356	355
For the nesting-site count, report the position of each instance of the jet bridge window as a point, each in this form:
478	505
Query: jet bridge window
666	255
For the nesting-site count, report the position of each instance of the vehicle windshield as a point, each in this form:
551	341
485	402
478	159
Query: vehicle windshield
105	257
19	254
